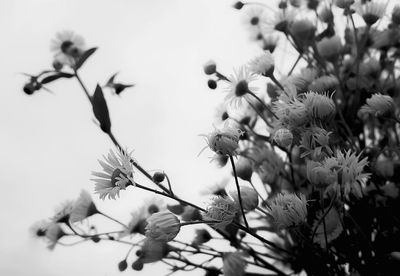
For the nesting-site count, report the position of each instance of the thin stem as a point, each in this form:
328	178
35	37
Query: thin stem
274	80
197	222
294	65
238	190
265	106
113	219
169	184
83	87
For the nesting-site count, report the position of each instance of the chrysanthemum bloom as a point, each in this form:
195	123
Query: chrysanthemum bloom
333	227
378	105
396	15
372	11
117	174
330	48
67	47
283	137
202	236
163	226
244	168
323	84
221	210
63	212
263	64
234	264
288	210
319	106
54	232
303	79
249	197
320	175
303	30
83	207
315	143
224	141
152	251
239	86
350	172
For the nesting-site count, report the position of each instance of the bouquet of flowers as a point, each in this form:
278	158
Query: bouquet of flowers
314	153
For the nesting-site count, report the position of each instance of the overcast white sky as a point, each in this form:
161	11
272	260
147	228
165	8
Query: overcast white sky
49	142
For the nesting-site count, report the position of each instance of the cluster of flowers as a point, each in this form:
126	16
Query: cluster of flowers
323	141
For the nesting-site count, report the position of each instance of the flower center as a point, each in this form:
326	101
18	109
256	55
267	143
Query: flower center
66	45
116	176
242	88
254	20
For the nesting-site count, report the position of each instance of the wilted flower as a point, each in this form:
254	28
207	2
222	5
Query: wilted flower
263	64
283	137
234	264
163	226
152	251
224	141
63	212
372	11
83	207
221	211
319	106
330	48
378	105
118	173
239	86
249	197
288	210
67	47
333	227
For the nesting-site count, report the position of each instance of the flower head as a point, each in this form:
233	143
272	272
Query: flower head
320	175
63	212
288	210
378	105
324	84
83	207
263	64
163	226
222	210
249	197
372	11
283	137
319	106
54	232
67	47
239	86
303	30
315	143
117	174
330	48
234	264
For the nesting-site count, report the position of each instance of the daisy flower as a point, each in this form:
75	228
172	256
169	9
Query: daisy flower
239	86
67	47
263	64
117	174
372	11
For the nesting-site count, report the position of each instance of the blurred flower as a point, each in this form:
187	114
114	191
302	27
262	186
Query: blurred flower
319	106
83	207
370	67
269	42
325	13
303	30
384	166
234	264
218	188
190	214
343	4
67	47
371	11
221	211
249	197
320	175
63	212
280	21
303	79
330	48
118	173
221	113
202	236
239	86
163	226
292	113
137	224
333	227
153	205
253	18
396	15
224	141
324	84
152	251
210	67
378	105
54	232
288	210
390	190
263	64
283	137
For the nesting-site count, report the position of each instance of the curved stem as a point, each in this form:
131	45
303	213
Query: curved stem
264	105
113	219
238	190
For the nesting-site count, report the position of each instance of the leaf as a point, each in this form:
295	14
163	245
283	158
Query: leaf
84	57
100	110
56	77
111	80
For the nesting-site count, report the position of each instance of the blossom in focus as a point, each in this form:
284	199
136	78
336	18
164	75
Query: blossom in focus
288	210
283	137
378	105
83	207
222	211
263	64
67	47
234	264
224	141
117	174
319	106
163	226
239	86
315	143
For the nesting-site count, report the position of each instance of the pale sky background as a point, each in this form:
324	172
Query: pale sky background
49	142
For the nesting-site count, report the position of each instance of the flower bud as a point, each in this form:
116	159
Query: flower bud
162	226
238	5
283	137
249	198
158	177
152	251
210	68
378	105
122	265
244	169
320	176
330	48
57	65
212	84
288	210
303	30
137	265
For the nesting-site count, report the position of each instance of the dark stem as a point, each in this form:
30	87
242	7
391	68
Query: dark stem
238	190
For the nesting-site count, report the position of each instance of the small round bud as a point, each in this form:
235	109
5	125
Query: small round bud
162	226
139	253
57	65
244	169
95	239
29	88
137	265
202	236
212	84
210	68
249	198
283	137
238	5
122	265
158	177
